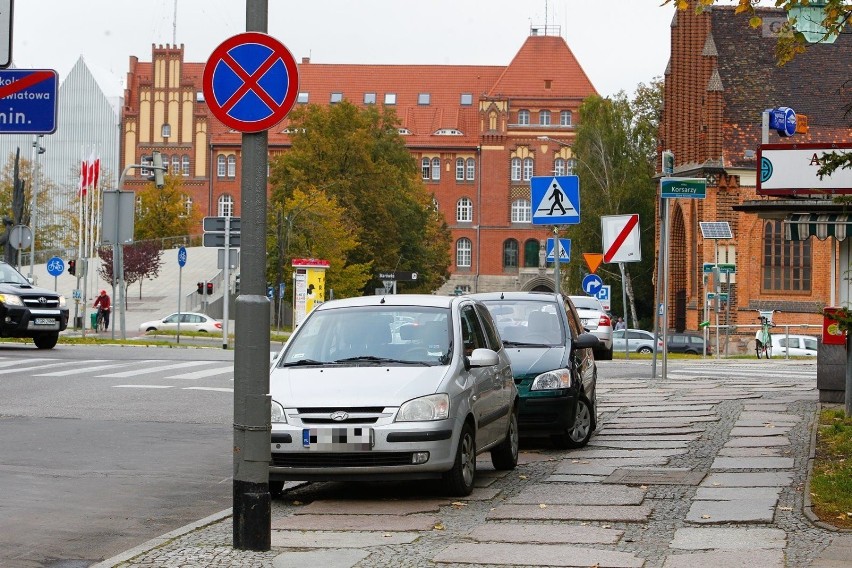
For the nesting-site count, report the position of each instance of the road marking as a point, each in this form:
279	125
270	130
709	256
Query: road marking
88	370
14	362
208	389
157	369
204	373
143	386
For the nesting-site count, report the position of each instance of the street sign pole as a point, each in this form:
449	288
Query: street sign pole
557	252
624	304
227	282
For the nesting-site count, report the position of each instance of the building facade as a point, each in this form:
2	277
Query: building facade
478	133
721	76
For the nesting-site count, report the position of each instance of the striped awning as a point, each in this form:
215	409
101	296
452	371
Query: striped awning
801	226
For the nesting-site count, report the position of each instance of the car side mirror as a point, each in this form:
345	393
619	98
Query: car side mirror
481	358
585	341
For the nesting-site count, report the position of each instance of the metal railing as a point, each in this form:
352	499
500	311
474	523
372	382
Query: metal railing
731	331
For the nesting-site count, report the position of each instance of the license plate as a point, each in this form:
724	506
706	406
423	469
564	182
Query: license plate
45	321
338	439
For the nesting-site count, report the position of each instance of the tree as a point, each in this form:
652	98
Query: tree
357	157
141	260
162	212
615	150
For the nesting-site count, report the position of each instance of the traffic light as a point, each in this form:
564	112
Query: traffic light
159	173
200	286
72	267
209	288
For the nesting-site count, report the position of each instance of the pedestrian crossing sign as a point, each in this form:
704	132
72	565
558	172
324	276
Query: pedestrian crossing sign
564	250
555	200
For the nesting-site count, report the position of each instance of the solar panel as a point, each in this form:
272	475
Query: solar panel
716	230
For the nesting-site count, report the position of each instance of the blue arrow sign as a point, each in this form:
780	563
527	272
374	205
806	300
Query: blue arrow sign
591	284
29	101
182	257
555	200
565	252
55	266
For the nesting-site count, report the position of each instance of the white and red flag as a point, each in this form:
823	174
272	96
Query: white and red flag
89	173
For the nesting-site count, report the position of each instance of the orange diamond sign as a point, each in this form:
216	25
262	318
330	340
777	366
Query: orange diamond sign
593	260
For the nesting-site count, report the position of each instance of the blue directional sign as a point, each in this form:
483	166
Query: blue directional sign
55	266
591	284
28	101
565	252
182	257
555	200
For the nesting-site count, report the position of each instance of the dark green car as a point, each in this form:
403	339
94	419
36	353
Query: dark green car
552	362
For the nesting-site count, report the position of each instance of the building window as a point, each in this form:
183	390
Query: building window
369	98
336	97
510	254
570	166
528	168
471	169
226	206
302	98
466	99
166	131
165	158
521	211
426	168
516	169
187	206
146	161
184	167
176	165
559	167
544	117
423	99
531	250
390	98
459	169
220	165
436	168
232	166
464	210
565	118
463	253
523	117
786	264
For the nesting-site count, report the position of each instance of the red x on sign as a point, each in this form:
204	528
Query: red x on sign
250	82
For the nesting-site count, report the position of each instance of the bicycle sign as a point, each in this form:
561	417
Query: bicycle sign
55	266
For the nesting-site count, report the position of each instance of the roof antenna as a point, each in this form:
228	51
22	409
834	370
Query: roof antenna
174	26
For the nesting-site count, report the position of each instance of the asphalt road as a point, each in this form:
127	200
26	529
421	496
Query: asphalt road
106	447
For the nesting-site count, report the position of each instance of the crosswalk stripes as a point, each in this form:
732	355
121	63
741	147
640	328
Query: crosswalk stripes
153	369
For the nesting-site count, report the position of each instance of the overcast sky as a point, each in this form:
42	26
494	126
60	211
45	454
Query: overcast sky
619	43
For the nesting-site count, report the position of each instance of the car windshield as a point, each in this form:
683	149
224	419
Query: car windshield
397	335
583	303
527	322
9	275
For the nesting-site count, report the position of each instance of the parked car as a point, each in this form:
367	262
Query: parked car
552	362
638	341
189	321
393	387
794	345
689	343
28	311
595	319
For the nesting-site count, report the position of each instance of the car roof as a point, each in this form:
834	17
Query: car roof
538	296
428	300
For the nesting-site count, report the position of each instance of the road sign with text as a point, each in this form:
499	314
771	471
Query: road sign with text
29	101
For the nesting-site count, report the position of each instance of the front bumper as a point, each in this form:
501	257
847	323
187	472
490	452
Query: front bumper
546	412
20	321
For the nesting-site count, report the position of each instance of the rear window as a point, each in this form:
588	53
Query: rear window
811	344
586	303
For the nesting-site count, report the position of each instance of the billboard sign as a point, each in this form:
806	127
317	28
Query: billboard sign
791	169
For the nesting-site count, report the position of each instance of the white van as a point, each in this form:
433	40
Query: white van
794	345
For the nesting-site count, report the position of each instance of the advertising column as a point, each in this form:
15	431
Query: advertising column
308	286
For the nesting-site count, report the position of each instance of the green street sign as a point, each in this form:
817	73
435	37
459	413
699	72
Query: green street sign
727	268
704	324
723	296
695	188
708	267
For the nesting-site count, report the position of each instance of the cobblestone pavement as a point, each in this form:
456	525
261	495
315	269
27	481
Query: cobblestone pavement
705	468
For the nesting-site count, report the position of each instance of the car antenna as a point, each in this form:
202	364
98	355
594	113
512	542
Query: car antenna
383	300
502	296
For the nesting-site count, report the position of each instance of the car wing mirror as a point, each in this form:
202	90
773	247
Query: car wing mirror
481	358
585	341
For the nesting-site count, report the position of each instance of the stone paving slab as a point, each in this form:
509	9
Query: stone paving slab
761	431
596	453
482	494
757	441
752	463
372	507
751	452
340	539
661	476
356	522
746	479
728	559
672	416
327	558
575	478
545	534
687	433
696	408
741	511
604	466
492	554
728	538
614	513
735	493
551	494
638	444
769	416
763	424
765	407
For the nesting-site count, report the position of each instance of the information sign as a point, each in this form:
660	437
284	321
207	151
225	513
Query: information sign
29	101
695	188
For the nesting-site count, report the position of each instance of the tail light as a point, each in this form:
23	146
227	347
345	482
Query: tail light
218	325
604	321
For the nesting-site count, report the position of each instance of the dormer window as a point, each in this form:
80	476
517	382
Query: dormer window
449	132
423	98
390	98
302	98
336	97
466	99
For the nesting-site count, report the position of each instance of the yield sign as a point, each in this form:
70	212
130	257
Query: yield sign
250	82
620	234
593	260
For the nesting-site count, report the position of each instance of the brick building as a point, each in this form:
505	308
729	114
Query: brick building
721	76
478	133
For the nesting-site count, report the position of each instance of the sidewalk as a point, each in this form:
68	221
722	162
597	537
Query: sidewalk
708	468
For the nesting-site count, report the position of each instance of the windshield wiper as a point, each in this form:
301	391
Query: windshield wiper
374	359
302	362
523	344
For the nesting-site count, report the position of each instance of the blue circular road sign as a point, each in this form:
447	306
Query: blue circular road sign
592	284
182	257
783	120
55	266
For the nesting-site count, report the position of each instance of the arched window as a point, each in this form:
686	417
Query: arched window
175	165
464	250
787	265
544	117
187	206
523	117
528	168
232	166
565	118
459	169
185	165
464	210
510	254
220	165
531	248
521	211
471	169
226	206
436	169
516	169
425	168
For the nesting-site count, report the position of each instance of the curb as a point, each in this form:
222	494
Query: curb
164	539
807	504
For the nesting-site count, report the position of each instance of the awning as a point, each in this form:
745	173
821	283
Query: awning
801	226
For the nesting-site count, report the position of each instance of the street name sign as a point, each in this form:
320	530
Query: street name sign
695	188
28	101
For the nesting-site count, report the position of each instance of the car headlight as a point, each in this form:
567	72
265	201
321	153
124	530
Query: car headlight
278	415
558	379
432	407
61	301
11	300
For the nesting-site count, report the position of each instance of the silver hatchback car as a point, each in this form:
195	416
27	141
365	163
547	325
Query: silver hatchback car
393	387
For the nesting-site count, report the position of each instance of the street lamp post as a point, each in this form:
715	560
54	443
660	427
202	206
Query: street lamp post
38	150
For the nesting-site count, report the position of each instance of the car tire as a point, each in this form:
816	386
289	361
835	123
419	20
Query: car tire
645	350
578	435
458	481
46	340
604	355
505	456
276	488
690	352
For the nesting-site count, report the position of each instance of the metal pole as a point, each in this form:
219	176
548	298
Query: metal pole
557	250
665	315
34	184
624	304
252	515
658	289
180	277
227	282
727	311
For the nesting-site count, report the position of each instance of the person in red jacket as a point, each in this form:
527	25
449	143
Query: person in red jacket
102	302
